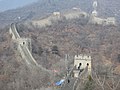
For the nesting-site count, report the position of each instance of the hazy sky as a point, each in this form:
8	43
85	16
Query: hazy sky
12	4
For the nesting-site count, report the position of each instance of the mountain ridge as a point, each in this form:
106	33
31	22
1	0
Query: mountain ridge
42	8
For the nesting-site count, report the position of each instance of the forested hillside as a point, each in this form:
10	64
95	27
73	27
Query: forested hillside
74	37
51	44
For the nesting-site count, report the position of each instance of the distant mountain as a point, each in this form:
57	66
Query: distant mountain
45	7
12	4
41	8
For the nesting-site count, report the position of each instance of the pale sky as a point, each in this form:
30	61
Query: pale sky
12	4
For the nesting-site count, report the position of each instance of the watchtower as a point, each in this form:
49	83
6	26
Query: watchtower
94	12
56	13
80	63
24	42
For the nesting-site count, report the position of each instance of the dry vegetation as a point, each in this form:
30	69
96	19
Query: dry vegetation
14	73
49	46
76	37
51	43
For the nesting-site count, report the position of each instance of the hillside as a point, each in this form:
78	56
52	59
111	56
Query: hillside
72	37
14	70
51	44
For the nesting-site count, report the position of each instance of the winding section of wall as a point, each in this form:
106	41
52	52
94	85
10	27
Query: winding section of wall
74	82
13	32
26	55
23	49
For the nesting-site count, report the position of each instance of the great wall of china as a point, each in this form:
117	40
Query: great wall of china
24	48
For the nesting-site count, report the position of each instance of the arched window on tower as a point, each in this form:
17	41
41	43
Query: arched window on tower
87	64
23	43
79	65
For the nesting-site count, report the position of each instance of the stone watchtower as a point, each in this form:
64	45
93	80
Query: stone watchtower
80	63
24	42
94	12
